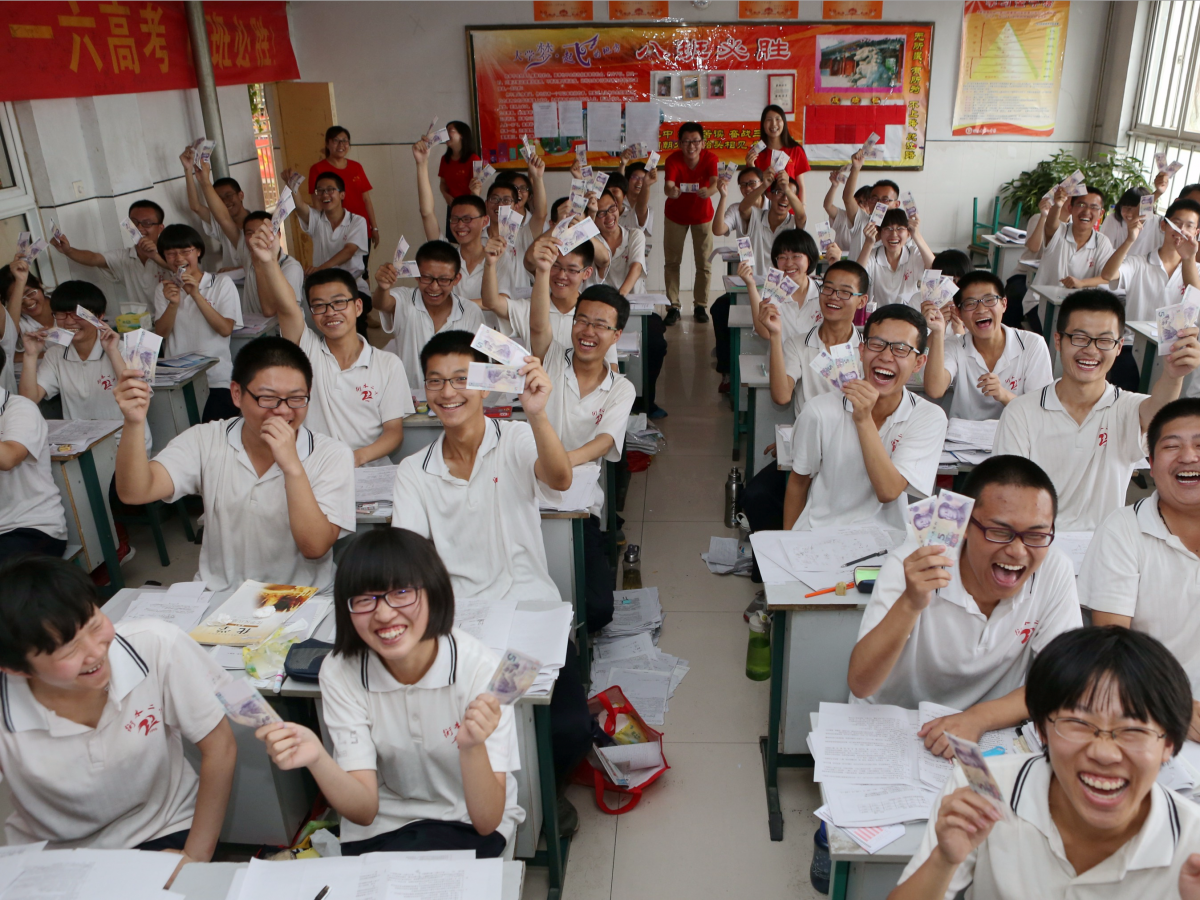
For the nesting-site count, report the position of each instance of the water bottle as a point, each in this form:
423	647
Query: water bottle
733	496
758	650
632	567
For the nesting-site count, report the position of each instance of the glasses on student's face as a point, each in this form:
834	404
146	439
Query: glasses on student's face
494	203
464	220
885	200
443	281
750	185
609	213
563	270
65	316
272	402
999	535
1134	738
436	384
340	142
582	322
521	191
337	305
988	300
691	142
1186	227
145	223
841	294
899	348
787	260
1079	339
398	599
1094	207
894	229
326	191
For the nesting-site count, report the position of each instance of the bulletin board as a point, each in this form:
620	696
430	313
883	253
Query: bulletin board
617	85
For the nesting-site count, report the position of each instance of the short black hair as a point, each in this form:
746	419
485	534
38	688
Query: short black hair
689	127
618	181
333	131
268	352
797	240
586	252
609	296
498	185
1187	189
904	313
472	201
450	343
863	192
387	559
1132	197
1073	671
331	176
1183	206
179	237
849	265
44	603
259	215
634	167
331	276
887	182
1090	190
1091	300
150	205
1182	408
954	263
749	170
556	206
979	276
8	279
227	182
439	251
70	294
895	216
1008	470
510	176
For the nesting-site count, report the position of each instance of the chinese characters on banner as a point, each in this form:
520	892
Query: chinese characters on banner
562	10
851	79
644	10
771	9
858	9
1011	67
76	49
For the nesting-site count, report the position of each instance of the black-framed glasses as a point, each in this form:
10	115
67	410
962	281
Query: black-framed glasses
521	191
611	212
326	191
899	348
1094	207
692	142
988	300
464	220
443	281
337	305
1133	737
397	599
145	223
998	535
436	384
582	322
340	142
574	273
840	293
273	402
1079	339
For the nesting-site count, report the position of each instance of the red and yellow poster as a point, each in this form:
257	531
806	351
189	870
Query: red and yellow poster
1011	67
768	9
858	9
616	85
564	11
639	10
75	49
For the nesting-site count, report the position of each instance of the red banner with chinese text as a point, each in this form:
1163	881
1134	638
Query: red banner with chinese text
851	79
76	49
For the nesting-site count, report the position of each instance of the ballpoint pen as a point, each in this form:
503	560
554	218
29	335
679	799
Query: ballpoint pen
322	893
855	562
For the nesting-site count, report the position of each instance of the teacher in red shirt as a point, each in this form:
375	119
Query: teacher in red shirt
691	178
773	131
358	186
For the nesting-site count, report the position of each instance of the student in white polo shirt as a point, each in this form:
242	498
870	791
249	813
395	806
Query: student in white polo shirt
199	316
1075	252
626	270
138	269
1084	432
360	395
783	211
415	314
795	254
855	452
858	210
992	363
276	495
1125	211
1142	568
960	628
895	266
727	219
422	756
340	237
224	194
94	716
31	510
1086	818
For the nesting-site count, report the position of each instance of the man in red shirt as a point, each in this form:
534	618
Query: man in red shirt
691	178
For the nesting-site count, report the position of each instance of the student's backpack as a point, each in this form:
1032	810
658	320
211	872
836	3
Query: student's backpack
615	763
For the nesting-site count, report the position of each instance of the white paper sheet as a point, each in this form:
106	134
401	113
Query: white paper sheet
623	648
857	805
90	874
603	126
570	118
1075	545
583	492
978	435
79	434
542	633
647	691
863	744
486	619
374	483
872	838
182	610
641	124
545	120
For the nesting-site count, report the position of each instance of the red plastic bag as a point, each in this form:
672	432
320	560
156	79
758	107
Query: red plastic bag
605	707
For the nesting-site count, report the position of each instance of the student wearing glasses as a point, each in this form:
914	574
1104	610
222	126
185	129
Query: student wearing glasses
858	209
960	627
1085	818
1075	252
276	495
340	237
894	265
690	180
1084	432
360	395
783	211
992	363
422	755
357	186
626	267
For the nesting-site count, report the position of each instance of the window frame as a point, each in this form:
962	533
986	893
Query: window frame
19	200
1153	89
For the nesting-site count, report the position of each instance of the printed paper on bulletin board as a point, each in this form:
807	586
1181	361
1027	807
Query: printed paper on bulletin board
1011	67
851	79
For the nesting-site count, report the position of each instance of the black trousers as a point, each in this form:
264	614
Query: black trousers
1124	373
719	312
599	576
762	502
175	841
570	722
1014	293
219	405
430	834
20	541
656	352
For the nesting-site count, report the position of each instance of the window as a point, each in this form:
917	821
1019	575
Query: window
18	208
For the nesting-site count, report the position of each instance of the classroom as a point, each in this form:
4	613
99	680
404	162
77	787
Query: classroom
768	461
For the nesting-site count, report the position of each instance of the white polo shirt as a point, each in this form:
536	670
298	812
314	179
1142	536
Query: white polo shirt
1061	257
488	530
733	219
797	318
628	219
293	271
246	534
898	285
632	249
798	354
126	781
1023	856
191	332
1149	240
231	253
1136	567
1090	464
560	326
762	236
86	385
470	286
412	327
406	734
957	656
1147	286
843	227
352	404
328	241
826	446
140	279
8	342
857	236
1023	367
511	274
28	496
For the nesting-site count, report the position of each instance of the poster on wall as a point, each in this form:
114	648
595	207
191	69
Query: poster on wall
638	10
770	9
1011	67
859	9
564	11
639	82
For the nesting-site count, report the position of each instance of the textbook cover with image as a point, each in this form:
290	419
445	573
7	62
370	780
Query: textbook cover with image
252	614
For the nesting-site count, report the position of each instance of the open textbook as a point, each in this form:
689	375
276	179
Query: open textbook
252	613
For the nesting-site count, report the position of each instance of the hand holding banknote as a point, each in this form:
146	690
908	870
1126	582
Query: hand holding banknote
964	821
537	387
483	715
926	569
862	396
290	746
1185	354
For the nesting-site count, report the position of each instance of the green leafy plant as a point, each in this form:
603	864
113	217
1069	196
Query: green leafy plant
1111	173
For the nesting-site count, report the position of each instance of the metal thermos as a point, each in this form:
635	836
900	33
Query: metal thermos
733	496
631	578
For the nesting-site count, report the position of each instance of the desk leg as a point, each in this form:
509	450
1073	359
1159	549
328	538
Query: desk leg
735	385
108	547
768	746
554	857
751	416
1149	356
581	627
839	881
610	507
1047	310
189	400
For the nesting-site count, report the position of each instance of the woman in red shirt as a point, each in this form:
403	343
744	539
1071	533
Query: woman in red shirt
455	169
358	186
773	131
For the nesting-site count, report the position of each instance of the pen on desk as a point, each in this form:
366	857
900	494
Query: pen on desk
855	562
323	892
277	686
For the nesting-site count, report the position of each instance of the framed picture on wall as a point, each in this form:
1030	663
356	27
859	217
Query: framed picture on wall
781	90
662	86
716	86
691	87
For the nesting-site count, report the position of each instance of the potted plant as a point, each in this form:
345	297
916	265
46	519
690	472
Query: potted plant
1111	173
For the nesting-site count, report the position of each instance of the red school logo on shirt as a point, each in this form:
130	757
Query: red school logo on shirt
451	733
1026	632
366	392
598	416
1102	437
144	720
1013	383
896	441
106	382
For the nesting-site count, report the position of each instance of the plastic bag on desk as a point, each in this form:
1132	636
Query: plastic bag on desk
265	660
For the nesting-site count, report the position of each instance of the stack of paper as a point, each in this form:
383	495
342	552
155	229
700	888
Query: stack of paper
30	872
541	629
630	342
178	368
635	612
70	436
446	875
823	558
583	493
646	675
373	487
642	436
968	441
252	323
728	556
182	604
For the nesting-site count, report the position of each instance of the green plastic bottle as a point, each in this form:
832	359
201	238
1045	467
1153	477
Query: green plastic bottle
758	650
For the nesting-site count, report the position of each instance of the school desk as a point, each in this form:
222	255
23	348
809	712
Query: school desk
1145	351
642	307
82	480
174	408
253	326
1005	256
740	319
762	413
